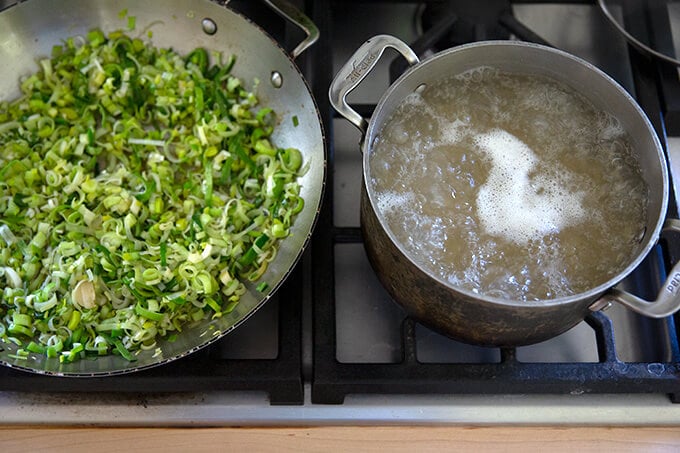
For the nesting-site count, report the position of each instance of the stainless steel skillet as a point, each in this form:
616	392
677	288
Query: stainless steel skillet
30	29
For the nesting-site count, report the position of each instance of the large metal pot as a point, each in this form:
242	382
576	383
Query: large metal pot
457	312
30	29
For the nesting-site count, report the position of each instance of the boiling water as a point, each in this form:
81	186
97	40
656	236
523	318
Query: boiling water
509	185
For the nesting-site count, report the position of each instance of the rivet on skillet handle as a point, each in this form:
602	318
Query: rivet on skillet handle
357	68
291	13
668	300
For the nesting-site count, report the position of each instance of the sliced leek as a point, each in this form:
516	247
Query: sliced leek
139	189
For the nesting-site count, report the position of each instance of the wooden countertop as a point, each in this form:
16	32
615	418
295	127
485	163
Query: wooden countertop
353	439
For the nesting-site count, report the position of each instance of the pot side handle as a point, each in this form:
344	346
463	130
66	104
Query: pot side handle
294	15
357	68
667	301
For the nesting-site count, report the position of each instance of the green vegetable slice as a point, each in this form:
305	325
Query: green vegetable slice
139	190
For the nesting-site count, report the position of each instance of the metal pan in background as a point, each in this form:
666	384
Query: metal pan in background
647	25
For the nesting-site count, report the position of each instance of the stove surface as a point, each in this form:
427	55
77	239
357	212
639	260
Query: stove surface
247	409
347	332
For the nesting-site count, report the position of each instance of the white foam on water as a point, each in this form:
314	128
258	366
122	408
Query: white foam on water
451	131
391	201
513	205
489	172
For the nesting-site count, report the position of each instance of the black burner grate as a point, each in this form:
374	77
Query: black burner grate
205	370
333	380
282	376
275	369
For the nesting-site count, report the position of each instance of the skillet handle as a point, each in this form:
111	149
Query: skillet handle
667	301
357	68
294	15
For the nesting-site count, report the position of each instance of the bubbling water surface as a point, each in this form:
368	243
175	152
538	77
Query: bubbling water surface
509	185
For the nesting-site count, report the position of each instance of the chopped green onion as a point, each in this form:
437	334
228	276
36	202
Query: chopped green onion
212	303
292	158
75	320
6	234
262	287
139	190
141	311
253	251
122	350
35	347
164	254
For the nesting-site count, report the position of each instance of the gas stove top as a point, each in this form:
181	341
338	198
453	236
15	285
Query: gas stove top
332	347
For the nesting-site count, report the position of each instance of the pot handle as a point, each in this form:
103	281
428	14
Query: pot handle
667	301
289	12
357	68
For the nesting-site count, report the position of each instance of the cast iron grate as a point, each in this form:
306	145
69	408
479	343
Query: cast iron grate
209	369
203	371
333	380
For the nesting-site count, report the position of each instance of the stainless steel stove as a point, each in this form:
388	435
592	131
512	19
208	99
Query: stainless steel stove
332	348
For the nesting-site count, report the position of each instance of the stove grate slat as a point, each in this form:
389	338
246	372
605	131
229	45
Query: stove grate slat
334	380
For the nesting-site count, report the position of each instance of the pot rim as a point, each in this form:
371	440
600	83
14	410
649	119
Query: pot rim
592	293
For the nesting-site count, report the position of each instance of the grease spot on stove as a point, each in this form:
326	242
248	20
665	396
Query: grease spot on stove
621	367
656	369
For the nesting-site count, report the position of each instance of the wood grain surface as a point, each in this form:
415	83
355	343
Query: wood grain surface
346	439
